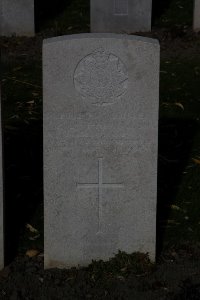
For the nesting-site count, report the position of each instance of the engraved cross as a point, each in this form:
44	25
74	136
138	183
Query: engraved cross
100	186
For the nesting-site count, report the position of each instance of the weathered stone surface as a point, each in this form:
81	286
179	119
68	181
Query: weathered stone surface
17	17
100	146
196	24
1	201
120	16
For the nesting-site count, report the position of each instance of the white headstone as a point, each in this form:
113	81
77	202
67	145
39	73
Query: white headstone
100	147
1	201
17	18
120	16
196	24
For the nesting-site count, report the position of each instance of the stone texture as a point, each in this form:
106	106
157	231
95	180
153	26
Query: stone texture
120	16
17	17
100	146
1	201
196	24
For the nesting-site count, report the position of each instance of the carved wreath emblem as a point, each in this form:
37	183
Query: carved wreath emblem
101	77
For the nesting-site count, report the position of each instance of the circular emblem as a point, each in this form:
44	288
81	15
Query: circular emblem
101	77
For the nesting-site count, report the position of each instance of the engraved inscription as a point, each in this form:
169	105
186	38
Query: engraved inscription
121	7
100	186
101	77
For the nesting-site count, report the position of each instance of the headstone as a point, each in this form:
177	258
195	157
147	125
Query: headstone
1	201
196	24
100	147
120	16
17	18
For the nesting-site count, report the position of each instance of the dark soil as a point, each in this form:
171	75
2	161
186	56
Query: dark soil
176	274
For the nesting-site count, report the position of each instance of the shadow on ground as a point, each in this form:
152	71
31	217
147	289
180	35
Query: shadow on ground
48	9
158	8
23	185
175	142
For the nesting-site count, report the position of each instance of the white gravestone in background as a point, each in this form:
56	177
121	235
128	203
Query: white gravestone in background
17	18
100	147
120	16
196	24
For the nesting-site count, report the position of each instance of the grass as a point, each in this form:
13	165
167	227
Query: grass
121	266
179	170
